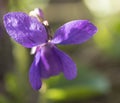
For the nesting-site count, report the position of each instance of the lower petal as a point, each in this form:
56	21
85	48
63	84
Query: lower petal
50	62
34	76
69	67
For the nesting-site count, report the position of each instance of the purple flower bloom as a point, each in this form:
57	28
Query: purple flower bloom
33	32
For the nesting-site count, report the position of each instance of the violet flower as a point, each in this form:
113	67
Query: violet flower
33	31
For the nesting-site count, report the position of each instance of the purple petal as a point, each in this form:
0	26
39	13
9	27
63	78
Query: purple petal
74	32
34	73
50	63
26	30
69	68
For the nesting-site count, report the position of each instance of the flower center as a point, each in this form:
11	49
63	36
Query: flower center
38	47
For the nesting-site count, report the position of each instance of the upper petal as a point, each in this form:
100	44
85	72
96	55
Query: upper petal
26	30
74	32
68	66
34	73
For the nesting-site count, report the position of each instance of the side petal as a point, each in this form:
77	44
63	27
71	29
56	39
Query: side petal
74	32
25	30
34	74
69	67
50	62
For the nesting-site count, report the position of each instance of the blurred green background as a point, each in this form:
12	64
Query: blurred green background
98	60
